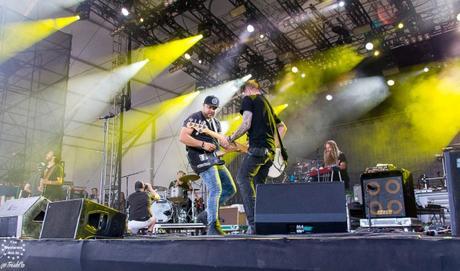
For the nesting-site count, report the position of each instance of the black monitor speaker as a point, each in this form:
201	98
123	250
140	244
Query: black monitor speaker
82	219
300	208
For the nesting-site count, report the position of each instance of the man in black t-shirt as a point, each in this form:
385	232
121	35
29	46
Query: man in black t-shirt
263	127
201	153
139	204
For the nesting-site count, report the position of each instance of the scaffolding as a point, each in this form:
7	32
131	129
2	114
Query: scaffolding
33	90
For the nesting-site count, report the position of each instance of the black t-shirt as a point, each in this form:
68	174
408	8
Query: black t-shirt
53	173
343	173
139	204
198	117
203	162
262	132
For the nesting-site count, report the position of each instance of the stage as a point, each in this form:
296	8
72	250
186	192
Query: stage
363	251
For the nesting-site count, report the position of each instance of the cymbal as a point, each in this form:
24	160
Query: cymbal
160	188
187	178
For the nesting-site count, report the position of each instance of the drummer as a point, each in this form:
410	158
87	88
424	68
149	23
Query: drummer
186	186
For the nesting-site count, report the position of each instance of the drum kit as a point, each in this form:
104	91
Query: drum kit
174	206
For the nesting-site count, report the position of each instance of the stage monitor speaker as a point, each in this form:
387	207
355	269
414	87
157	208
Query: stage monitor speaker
452	166
82	219
300	208
388	194
22	218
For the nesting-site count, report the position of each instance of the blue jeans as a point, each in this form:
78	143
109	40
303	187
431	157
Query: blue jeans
221	188
254	170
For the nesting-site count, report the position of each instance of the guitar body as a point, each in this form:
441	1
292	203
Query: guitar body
279	165
201	161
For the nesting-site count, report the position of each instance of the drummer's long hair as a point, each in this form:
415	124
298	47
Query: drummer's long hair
331	158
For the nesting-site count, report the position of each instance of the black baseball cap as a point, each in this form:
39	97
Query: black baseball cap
138	185
212	101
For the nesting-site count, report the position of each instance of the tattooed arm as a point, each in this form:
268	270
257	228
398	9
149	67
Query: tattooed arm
244	127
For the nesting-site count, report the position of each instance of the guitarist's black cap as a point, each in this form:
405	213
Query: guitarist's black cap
212	101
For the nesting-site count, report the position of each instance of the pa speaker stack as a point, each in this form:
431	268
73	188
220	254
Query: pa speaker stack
452	166
300	208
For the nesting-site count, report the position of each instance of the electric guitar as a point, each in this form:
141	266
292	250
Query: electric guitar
203	128
279	164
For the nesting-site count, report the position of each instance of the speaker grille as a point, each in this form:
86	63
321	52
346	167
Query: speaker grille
388	195
61	219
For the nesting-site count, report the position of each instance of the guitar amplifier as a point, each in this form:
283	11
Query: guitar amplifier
232	215
388	194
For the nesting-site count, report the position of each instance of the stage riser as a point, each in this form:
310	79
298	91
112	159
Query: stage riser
243	254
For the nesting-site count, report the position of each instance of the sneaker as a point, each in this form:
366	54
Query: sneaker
215	229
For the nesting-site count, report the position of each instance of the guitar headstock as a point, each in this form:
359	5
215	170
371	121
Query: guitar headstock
199	126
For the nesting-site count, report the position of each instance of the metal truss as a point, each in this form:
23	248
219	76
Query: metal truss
295	30
33	89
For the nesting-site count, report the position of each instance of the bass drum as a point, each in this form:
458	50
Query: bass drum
162	210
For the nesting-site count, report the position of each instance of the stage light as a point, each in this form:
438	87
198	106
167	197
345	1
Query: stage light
125	11
391	82
369	46
161	56
303	75
83	10
141	20
400	25
426	69
295	69
261	36
250	28
187	56
458	17
376	53
329	97
19	36
341	4
200	61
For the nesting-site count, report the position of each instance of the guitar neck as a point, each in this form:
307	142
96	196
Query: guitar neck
212	133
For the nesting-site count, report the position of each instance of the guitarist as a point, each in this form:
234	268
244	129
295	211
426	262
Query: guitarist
201	153
264	129
52	178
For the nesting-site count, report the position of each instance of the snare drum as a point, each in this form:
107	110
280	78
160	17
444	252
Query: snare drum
162	210
176	194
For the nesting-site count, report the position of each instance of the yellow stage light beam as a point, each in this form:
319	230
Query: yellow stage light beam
321	70
89	94
20	36
161	114
163	55
423	119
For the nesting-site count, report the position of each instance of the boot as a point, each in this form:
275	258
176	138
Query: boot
215	229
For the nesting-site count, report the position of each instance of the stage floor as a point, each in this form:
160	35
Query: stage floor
350	251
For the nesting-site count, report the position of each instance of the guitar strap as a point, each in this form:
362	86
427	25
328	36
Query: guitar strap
283	150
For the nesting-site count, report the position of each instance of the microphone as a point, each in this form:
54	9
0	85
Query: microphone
108	116
372	187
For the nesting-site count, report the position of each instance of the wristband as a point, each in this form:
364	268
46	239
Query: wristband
202	144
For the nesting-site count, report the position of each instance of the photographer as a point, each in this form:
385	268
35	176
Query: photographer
139	204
